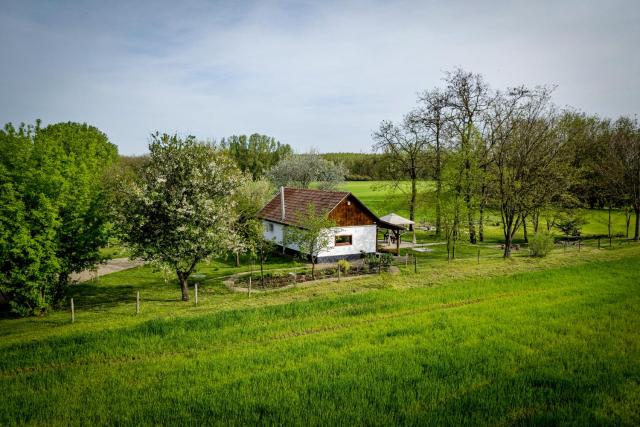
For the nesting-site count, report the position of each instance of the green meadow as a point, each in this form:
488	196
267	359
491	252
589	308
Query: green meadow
383	198
552	341
525	341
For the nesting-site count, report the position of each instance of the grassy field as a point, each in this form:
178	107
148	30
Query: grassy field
553	341
501	342
382	199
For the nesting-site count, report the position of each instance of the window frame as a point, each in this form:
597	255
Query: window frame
349	243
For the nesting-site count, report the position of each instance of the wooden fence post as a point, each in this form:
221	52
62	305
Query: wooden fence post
338	272
73	312
138	302
196	293
415	264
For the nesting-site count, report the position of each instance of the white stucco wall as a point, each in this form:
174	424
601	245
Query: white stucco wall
363	238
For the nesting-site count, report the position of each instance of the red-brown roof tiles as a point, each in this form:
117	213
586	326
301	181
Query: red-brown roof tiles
296	200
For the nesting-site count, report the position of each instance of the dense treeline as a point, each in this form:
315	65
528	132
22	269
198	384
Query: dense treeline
54	210
513	151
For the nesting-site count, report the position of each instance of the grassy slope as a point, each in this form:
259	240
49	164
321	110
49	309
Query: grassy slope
506	341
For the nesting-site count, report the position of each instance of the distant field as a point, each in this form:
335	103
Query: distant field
382	198
524	341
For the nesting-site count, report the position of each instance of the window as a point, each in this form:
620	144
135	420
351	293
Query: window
270	227
343	240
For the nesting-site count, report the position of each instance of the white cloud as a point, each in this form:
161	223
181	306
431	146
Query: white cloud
311	74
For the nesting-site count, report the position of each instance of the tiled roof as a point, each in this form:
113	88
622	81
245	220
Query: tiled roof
296	200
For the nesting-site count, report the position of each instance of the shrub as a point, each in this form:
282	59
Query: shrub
385	260
372	261
344	266
540	245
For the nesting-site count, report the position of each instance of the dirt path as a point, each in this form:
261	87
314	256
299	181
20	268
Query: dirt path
111	266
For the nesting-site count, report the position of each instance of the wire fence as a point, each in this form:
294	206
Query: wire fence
414	260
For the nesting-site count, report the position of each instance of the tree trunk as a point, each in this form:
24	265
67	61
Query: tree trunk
628	220
412	205
636	235
524	229
438	185
468	202
609	222
182	278
237	259
507	245
481	224
313	268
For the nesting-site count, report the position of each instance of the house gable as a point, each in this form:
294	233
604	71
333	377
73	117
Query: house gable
350	211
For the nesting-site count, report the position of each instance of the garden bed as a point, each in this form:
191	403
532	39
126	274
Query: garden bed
283	279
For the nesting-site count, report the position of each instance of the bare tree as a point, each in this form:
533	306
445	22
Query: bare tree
468	97
433	115
626	152
526	157
406	146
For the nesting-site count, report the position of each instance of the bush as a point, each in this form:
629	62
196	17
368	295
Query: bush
372	261
344	266
386	259
540	245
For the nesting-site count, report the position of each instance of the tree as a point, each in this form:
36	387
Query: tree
311	234
468	98
528	158
405	146
182	208
301	170
257	153
434	116
626	152
84	157
54	211
250	197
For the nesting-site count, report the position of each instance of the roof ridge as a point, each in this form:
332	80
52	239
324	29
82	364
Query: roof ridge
316	189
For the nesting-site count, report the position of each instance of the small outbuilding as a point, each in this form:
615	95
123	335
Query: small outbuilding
401	224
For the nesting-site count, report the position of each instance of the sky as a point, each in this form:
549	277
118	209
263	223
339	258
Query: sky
316	75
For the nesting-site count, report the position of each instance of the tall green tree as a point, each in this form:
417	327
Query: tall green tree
53	209
255	154
182	209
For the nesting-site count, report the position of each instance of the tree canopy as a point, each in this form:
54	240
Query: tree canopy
181	210
54	209
255	154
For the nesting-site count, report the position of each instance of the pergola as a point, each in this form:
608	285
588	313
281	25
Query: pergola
396	224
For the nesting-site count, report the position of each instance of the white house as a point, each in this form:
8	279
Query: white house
356	230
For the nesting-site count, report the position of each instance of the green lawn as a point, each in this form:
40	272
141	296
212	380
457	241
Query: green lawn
382	199
522	341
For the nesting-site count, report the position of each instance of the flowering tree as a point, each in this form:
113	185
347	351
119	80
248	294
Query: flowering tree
181	210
